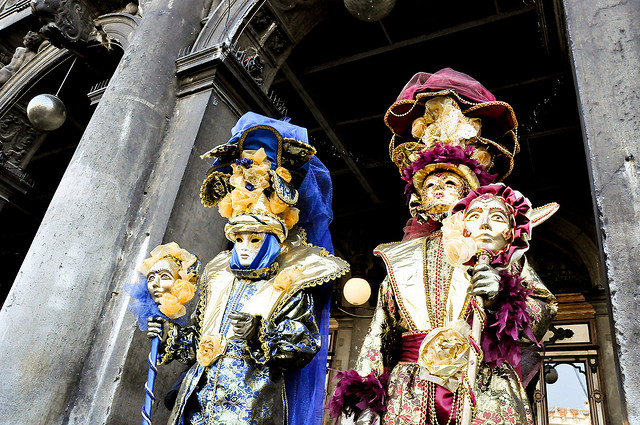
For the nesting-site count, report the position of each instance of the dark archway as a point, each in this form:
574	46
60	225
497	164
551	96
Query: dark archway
47	154
341	76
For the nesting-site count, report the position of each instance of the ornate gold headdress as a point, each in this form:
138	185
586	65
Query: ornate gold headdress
449	121
183	259
253	178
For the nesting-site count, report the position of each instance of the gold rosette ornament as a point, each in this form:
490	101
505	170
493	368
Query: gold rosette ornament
444	353
183	291
171	307
287	277
210	349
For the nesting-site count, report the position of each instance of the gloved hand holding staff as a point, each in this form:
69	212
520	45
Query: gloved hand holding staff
165	286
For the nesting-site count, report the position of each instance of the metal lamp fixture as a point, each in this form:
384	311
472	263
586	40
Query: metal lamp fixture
46	111
550	374
369	10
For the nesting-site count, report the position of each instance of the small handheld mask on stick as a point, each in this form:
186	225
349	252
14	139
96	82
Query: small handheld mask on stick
161	277
494	219
166	284
489	222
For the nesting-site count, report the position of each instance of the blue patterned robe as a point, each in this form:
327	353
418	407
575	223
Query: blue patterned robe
246	384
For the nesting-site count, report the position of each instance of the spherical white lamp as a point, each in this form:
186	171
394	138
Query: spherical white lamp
357	291
46	112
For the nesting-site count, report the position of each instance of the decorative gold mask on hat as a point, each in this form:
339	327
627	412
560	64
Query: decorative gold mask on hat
250	207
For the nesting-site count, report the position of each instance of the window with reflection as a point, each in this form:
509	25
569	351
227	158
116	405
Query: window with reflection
567	393
568	387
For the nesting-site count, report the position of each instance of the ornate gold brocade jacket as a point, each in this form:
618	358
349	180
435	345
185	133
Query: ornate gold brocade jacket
420	281
244	384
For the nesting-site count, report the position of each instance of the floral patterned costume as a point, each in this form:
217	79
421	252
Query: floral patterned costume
422	288
244	383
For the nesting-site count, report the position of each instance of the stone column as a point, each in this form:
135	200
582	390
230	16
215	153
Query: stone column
64	329
604	39
214	90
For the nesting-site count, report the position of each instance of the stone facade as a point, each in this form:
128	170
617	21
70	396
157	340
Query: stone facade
189	69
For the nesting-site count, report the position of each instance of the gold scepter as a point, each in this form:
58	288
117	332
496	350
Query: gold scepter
483	256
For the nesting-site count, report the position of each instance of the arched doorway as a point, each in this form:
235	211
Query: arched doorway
339	79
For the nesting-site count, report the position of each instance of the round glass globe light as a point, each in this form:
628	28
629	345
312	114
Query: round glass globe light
357	291
46	112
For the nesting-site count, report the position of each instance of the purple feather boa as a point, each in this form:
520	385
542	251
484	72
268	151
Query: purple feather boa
355	393
500	335
446	154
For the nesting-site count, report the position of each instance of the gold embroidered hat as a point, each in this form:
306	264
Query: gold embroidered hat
254	176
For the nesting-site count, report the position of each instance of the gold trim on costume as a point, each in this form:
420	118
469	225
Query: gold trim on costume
406	265
263	273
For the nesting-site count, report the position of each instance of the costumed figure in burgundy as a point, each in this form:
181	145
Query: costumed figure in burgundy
262	312
451	140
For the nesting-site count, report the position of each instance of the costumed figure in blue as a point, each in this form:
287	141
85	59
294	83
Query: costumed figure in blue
262	314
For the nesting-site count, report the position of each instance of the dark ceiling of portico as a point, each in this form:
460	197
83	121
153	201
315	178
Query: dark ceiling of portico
341	78
339	81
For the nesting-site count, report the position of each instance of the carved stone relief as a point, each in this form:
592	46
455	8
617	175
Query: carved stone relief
252	62
21	56
68	23
268	33
17	137
18	142
261	20
277	43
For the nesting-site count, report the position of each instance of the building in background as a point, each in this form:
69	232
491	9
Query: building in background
150	86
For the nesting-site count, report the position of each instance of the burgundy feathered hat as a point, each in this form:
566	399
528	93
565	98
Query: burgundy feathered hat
497	137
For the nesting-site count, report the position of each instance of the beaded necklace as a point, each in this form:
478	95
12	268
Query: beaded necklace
436	285
456	404
232	304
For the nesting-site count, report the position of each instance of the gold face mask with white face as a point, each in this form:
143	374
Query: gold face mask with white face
161	277
440	191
